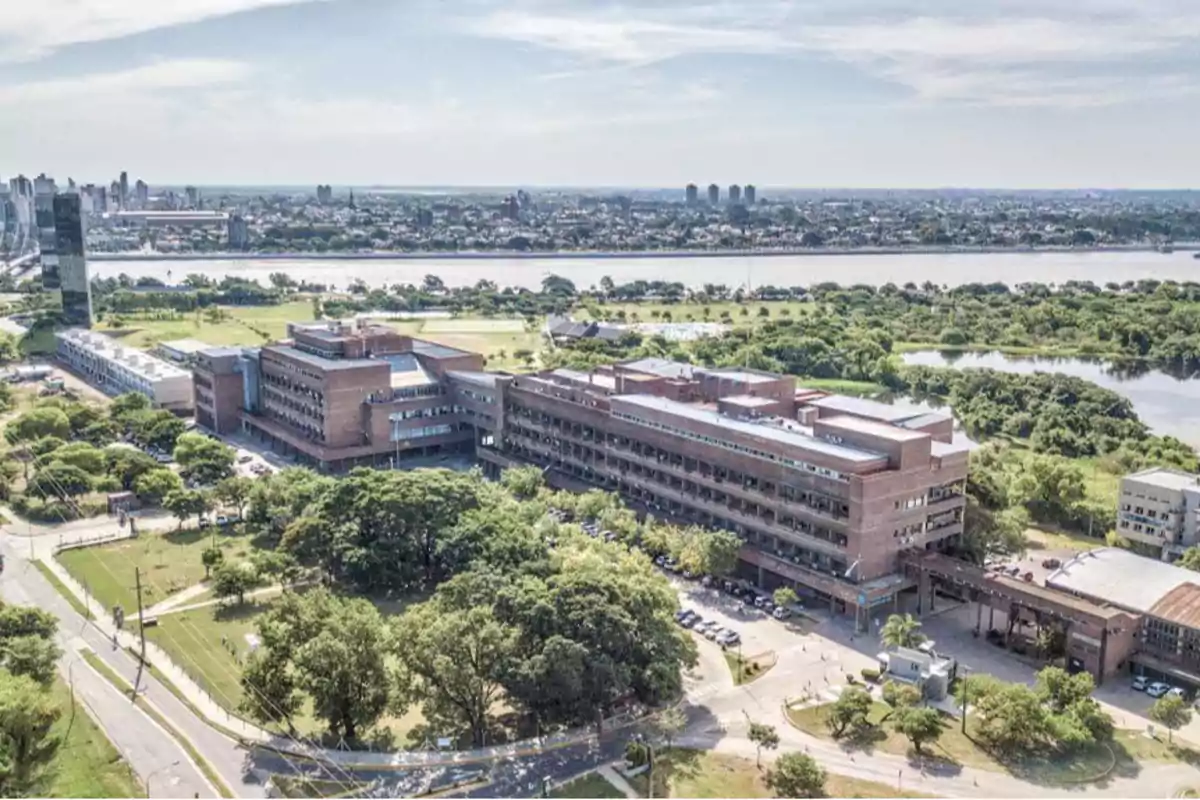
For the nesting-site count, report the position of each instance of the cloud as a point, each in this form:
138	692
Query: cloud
33	28
104	87
1012	52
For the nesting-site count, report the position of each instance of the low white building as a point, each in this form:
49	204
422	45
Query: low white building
1161	508
116	369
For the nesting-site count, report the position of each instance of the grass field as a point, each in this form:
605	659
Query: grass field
591	785
209	643
236	329
496	339
169	562
955	747
840	386
747	668
700	773
87	765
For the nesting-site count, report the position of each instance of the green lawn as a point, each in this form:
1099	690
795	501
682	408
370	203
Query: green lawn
591	785
169	563
701	773
209	644
496	339
62	589
840	386
748	668
87	764
237	328
955	747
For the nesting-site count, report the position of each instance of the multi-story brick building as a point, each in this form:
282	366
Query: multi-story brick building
338	394
825	491
1160	508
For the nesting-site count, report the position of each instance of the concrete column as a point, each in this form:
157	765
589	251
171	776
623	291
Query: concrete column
978	615
991	618
760	576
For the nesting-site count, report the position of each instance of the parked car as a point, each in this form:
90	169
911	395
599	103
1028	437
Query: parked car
781	613
1157	689
1177	692
693	621
1051	563
223	520
729	639
713	632
1140	682
680	615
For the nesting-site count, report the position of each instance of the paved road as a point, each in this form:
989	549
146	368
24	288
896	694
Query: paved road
148	748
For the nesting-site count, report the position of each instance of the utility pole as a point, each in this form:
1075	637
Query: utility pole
137	576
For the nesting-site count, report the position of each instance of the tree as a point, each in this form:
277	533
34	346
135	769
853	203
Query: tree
83	456
785	596
234	579
523	482
59	480
1013	720
127	403
184	503
211	558
763	736
901	631
235	491
458	658
919	724
669	724
1190	559
27	742
1172	712
270	692
796	775
39	422
127	464
849	711
203	459
27	642
152	486
900	695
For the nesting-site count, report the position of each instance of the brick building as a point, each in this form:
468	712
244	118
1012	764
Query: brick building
825	492
338	394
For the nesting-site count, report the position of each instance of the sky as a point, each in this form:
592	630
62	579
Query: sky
653	93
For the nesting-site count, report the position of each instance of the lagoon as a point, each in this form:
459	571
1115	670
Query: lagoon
1169	405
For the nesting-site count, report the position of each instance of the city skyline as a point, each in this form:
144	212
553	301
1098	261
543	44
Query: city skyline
871	93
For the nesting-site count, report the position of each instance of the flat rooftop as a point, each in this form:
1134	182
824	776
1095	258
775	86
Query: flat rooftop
749	400
741	375
187	346
874	428
871	409
1121	578
138	362
662	368
435	350
321	362
785	433
603	381
1173	479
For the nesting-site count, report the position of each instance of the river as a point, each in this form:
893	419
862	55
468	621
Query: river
792	270
1169	405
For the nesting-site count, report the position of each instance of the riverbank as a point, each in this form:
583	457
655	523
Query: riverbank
574	254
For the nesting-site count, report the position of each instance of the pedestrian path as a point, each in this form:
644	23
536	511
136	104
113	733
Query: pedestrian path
618	780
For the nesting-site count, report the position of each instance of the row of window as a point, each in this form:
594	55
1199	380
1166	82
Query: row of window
424	413
403	434
803	466
478	397
285	365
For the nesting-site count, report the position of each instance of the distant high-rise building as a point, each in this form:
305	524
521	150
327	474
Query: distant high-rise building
44	190
239	232
324	194
70	243
193	196
114	193
424	217
510	208
750	193
123	190
714	194
693	194
142	193
735	194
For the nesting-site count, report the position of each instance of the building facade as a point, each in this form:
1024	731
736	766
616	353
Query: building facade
1159	508
692	194
825	500
751	194
70	242
714	194
735	194
44	192
339	394
116	369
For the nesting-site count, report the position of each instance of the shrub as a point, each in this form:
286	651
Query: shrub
870	674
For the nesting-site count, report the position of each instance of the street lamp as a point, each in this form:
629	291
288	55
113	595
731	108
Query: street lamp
174	763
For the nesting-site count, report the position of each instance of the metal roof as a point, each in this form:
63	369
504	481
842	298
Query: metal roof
435	350
1117	576
477	378
872	409
787	433
1166	478
320	362
661	367
742	375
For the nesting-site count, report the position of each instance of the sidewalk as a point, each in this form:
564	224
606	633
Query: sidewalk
191	692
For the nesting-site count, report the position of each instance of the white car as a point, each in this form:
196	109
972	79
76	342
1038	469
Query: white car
1157	689
1177	692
